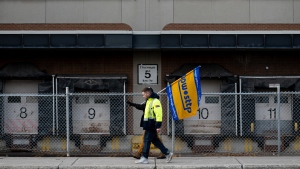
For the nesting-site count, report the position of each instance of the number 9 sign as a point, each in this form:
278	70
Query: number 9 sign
91	113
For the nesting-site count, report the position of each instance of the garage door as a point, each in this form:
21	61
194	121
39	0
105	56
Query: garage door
21	111
208	118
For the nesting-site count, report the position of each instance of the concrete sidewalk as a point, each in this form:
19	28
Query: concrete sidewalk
288	162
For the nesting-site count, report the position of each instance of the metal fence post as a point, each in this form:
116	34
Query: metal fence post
168	114
236	109
56	104
241	110
277	86
173	135
67	119
278	107
124	106
53	104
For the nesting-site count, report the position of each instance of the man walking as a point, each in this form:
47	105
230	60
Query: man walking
152	125
141	147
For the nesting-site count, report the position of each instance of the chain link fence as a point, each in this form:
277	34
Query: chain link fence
103	124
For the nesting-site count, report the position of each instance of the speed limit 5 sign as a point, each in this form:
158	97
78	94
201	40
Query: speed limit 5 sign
147	74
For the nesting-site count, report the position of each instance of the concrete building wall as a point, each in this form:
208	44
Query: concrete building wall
133	13
276	11
64	11
91	11
211	11
296	11
149	15
160	13
20	11
102	11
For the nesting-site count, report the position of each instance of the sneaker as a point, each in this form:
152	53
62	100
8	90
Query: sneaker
142	160
169	157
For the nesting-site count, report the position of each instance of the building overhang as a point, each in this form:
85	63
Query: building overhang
148	40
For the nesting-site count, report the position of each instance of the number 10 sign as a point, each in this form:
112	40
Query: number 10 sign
147	74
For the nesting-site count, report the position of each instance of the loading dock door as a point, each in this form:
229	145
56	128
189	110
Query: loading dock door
208	118
91	114
21	112
266	114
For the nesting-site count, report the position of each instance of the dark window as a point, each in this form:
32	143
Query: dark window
212	99
82	100
14	99
100	100
262	99
31	99
283	99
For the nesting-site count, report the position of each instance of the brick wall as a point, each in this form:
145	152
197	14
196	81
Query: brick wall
244	63
239	62
93	26
233	27
172	26
77	62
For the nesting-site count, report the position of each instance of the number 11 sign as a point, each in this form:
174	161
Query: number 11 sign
147	74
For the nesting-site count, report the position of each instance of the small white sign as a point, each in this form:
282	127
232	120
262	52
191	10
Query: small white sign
147	74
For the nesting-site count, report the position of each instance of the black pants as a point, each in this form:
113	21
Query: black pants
152	137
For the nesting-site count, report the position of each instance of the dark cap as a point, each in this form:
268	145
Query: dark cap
148	89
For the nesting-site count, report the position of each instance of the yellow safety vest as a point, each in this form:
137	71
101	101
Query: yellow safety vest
153	110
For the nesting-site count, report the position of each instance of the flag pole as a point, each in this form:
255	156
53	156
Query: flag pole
173	123
173	134
162	89
158	92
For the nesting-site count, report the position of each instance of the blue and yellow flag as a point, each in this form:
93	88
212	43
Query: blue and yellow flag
185	94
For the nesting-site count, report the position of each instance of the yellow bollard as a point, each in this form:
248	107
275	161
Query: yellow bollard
46	144
64	144
248	145
252	127
227	145
297	143
115	143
